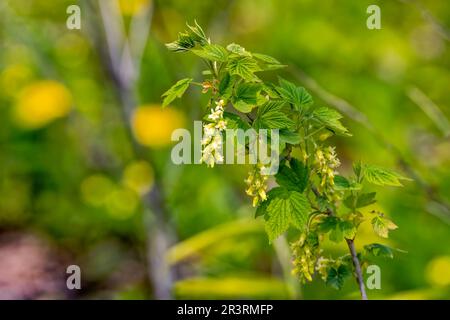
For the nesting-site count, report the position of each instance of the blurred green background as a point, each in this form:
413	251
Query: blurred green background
85	170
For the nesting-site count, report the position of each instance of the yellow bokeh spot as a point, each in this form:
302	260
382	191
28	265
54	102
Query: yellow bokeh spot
96	189
122	203
138	176
153	125
438	271
42	102
132	7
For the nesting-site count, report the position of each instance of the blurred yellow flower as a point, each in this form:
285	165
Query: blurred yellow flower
131	7
438	271
42	102
153	125
138	176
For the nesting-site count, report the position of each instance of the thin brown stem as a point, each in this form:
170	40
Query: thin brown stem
358	271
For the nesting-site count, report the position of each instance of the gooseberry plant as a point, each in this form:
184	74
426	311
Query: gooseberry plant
310	195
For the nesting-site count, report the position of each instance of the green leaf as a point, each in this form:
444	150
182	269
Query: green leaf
366	199
269	63
243	106
341	183
244	67
213	52
381	176
272	194
271	90
330	119
337	275
357	167
297	96
287	136
382	225
379	250
225	85
301	171
237	49
271	116
279	211
337	228
300	209
363	200
197	34
176	91
184	43
294	177
245	97
247	92
287	207
265	58
235	122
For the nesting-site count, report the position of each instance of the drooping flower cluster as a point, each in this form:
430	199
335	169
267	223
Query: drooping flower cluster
212	136
326	162
257	184
305	252
322	266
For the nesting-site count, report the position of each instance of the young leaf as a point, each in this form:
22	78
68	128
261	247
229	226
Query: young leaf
294	177
243	67
212	52
297	96
235	122
237	49
341	183
379	250
382	225
366	199
287	136
300	209
265	58
329	118
272	194
197	34
288	207
176	91
337	228
337	275
381	176
271	116
279	213
247	92
268	62
184	43
363	200
225	85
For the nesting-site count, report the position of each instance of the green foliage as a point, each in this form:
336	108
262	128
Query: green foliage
337	275
337	228
382	177
379	250
245	97
382	225
271	116
294	177
288	207
298	96
329	118
212	52
176	91
244	67
311	196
